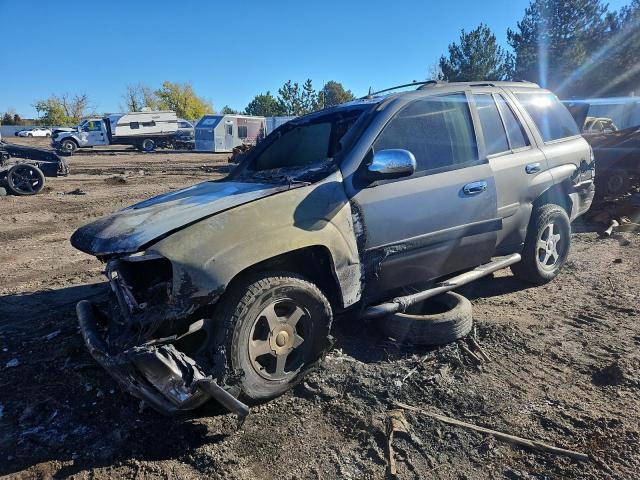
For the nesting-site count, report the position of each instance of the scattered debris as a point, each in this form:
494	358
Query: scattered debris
238	152
12	363
77	191
52	335
523	442
115	180
613	224
477	346
3	192
396	423
425	360
469	353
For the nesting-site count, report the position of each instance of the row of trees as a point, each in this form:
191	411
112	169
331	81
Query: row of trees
574	47
296	99
179	97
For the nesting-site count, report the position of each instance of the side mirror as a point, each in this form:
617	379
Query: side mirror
392	163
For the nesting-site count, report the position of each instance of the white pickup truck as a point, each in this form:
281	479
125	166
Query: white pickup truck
143	130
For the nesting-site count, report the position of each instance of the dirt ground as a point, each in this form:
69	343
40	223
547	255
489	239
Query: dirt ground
564	369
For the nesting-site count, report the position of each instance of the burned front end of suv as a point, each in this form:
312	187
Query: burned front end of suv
155	334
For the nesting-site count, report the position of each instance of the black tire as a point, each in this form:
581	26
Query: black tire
532	268
240	320
437	321
148	145
618	183
29	134
68	147
24	179
48	135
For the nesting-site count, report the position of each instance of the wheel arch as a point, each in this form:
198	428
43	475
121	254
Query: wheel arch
314	262
557	194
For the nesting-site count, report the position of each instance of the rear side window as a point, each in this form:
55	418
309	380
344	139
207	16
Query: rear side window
495	138
437	130
550	116
515	131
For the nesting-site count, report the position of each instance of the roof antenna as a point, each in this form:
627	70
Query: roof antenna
369	94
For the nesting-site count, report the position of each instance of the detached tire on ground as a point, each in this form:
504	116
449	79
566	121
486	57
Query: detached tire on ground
272	327
25	179
546	246
437	321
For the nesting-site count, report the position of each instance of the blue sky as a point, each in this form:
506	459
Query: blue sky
229	51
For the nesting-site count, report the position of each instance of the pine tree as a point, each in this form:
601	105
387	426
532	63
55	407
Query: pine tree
555	40
477	56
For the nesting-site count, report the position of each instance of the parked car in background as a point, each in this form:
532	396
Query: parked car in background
35	132
228	288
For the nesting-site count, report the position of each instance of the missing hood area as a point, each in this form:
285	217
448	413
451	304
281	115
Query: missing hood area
160	349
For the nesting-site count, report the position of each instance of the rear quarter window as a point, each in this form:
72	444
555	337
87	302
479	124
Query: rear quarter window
552	118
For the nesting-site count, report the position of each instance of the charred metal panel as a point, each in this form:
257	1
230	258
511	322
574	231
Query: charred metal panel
211	252
133	228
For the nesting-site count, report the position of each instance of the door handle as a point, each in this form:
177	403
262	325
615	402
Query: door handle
474	188
532	168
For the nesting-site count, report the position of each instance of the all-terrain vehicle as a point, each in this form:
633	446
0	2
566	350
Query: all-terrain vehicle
228	288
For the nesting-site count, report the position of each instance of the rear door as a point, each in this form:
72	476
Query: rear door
557	131
516	161
444	217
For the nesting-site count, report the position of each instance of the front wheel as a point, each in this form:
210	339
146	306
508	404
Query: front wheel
68	147
275	326
25	179
546	246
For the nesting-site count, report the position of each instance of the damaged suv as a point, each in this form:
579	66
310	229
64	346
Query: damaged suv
227	289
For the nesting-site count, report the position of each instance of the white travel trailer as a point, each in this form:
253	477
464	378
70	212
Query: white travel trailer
222	133
144	130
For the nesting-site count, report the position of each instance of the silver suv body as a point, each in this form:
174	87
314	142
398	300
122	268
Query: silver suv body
333	211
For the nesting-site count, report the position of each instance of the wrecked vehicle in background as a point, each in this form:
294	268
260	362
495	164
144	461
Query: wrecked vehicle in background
616	145
618	158
228	289
23	169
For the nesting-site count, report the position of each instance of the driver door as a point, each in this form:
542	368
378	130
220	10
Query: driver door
96	134
441	219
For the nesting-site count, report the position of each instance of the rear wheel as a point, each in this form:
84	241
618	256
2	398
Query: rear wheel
148	145
25	179
546	246
275	326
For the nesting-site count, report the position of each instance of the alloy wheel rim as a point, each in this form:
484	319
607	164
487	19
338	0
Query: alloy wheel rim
550	247
25	180
277	344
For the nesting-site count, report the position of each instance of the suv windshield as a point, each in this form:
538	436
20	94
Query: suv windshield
304	143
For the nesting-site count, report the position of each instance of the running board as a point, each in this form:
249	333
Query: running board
400	304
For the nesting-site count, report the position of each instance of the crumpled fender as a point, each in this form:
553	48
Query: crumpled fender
207	255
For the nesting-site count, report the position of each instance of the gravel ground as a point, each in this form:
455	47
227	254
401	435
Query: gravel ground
564	369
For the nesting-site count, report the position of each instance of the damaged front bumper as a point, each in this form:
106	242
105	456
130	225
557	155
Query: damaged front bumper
160	375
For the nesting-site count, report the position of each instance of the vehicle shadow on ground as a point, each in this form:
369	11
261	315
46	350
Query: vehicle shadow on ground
58	404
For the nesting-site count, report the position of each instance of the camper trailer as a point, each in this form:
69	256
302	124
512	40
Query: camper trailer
222	133
144	130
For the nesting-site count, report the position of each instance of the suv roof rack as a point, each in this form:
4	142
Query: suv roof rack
420	85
